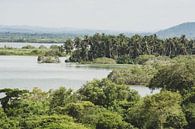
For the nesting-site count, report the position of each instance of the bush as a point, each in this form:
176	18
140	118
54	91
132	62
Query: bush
48	59
6	123
133	75
104	60
36	52
124	60
50	122
111	120
159	62
77	110
177	77
54	47
42	47
189	109
184	58
158	111
143	58
106	93
54	52
61	97
96	117
28	47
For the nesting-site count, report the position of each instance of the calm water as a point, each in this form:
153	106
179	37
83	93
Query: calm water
24	72
20	44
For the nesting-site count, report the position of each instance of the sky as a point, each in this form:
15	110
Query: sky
120	15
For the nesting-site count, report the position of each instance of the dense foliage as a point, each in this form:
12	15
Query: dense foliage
133	75
110	103
35	37
30	50
176	77
125	48
103	104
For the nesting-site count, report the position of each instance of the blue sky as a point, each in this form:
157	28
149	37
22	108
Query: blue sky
126	15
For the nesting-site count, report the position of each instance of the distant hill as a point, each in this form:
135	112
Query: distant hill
42	30
187	29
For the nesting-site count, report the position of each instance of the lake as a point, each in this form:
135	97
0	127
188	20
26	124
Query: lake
21	44
24	72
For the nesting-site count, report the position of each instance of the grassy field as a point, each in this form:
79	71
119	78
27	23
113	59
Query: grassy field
22	52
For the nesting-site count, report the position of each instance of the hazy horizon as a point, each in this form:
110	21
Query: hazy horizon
116	15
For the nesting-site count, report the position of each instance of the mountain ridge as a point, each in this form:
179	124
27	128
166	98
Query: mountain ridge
187	28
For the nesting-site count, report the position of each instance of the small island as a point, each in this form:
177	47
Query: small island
48	59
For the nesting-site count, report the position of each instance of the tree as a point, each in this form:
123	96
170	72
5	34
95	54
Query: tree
69	46
177	77
107	93
6	123
189	109
50	122
11	99
135	46
117	46
97	117
61	97
158	111
111	120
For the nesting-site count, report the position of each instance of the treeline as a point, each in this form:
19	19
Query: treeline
35	37
103	104
29	50
123	47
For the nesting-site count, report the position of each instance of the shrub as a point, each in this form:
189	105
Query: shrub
28	47
50	122
143	58
54	52
54	47
133	75
124	60
42	47
189	109
158	111
104	60
97	117
61	97
177	77
106	93
48	59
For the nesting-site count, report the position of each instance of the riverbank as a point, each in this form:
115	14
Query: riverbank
30	50
23	52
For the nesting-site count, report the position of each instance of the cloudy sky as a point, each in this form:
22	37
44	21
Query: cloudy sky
130	15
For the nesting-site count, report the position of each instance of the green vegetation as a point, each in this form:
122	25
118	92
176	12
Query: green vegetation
35	37
110	103
156	68
22	52
144	58
133	75
48	59
54	51
51	56
159	111
124	49
28	47
175	78
124	60
99	104
63	108
104	60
